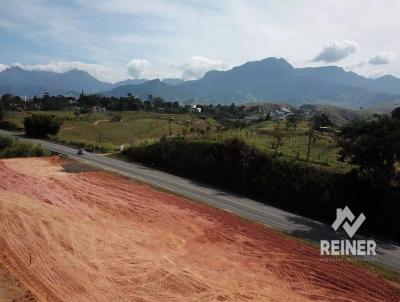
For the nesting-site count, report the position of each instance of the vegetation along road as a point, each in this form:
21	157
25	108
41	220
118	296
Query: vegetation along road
295	225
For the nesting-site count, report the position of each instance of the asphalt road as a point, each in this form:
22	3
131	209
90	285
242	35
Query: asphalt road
289	223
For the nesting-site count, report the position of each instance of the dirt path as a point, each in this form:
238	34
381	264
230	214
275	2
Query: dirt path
100	121
99	237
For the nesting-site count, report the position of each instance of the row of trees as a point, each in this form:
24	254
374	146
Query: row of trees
87	103
372	146
294	186
229	116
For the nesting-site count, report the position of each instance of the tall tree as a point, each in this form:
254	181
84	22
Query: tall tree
373	146
1	112
42	125
396	113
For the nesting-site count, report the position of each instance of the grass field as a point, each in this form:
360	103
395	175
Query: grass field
135	127
141	127
294	144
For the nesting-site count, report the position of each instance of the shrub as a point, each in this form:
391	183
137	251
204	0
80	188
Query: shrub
42	125
10	126
5	142
11	148
290	185
116	118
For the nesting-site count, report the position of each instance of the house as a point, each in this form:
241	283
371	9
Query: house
196	108
280	113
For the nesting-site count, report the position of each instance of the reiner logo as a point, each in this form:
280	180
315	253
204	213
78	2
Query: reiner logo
342	215
347	220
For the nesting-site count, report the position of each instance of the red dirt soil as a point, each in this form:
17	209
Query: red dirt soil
94	236
11	289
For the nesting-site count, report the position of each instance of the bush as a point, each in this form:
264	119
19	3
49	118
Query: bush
11	148
116	118
10	126
42	125
5	142
290	185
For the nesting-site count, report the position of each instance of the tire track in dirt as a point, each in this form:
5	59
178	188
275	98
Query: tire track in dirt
98	237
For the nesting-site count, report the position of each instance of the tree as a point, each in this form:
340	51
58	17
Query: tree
291	122
12	103
42	125
317	123
373	146
278	142
158	102
321	120
1	112
396	113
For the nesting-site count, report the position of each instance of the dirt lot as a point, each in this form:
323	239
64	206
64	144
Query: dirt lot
93	236
11	289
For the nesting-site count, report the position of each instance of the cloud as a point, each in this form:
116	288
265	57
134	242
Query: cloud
356	65
3	67
382	58
113	32
193	69
336	51
198	66
139	68
99	71
376	74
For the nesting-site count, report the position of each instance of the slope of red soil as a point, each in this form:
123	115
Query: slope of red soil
93	236
11	289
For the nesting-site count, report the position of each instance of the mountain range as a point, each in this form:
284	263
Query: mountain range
271	79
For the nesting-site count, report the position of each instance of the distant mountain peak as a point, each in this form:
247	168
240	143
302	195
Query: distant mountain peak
19	81
271	79
13	69
387	77
269	64
172	81
274	60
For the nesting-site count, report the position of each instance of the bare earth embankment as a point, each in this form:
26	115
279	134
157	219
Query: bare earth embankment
94	236
11	289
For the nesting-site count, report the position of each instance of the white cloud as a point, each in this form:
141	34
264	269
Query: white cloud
193	69
376	74
99	71
139	68
3	67
356	65
336	51
382	58
112	32
198	66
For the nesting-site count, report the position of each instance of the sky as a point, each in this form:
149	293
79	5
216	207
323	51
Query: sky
120	39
